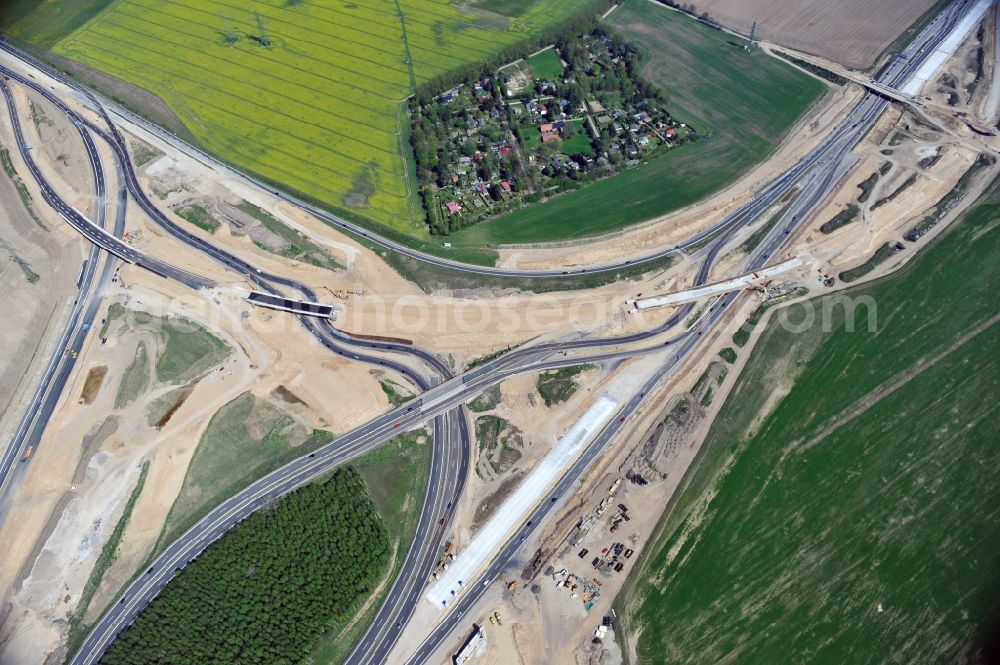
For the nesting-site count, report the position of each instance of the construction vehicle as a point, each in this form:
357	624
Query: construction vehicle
511	585
496	615
343	293
27	453
493	620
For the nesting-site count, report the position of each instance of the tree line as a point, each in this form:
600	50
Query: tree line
270	587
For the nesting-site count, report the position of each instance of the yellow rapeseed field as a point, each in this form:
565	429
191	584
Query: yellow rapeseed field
306	93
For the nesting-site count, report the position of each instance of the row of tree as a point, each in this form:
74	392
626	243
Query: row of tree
269	588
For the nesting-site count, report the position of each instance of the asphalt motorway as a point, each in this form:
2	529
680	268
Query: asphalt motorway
81	319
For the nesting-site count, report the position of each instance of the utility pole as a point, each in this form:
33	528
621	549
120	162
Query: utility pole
753	36
262	37
230	36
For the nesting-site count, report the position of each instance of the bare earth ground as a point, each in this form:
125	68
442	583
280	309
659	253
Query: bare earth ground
87	502
851	32
35	312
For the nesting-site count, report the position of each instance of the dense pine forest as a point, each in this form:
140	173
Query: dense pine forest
267	590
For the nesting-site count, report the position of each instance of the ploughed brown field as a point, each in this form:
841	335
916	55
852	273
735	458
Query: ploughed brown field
851	32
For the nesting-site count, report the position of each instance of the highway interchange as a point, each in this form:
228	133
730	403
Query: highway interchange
444	395
81	319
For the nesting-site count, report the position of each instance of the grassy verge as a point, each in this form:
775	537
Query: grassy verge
821	72
22	189
135	378
881	255
396	477
488	401
199	216
558	385
853	519
245	439
429	277
395	393
950	200
299	247
143	154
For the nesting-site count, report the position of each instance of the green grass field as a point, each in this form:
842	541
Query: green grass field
200	217
545	65
45	23
189	350
859	521
245	439
396	476
747	101
578	144
135	378
319	110
558	385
